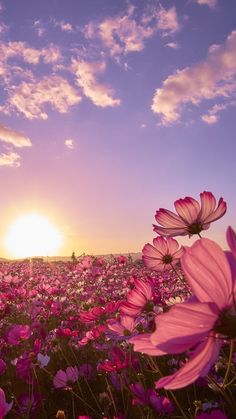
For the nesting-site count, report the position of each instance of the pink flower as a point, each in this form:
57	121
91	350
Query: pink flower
215	414
192	218
66	378
138	298
197	323
231	239
17	333
124	327
4	407
162	255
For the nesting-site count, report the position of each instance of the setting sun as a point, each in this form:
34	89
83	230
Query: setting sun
32	235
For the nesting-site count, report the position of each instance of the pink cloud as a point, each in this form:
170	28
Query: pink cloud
29	55
85	73
211	3
123	34
29	98
64	26
206	80
10	159
10	136
213	114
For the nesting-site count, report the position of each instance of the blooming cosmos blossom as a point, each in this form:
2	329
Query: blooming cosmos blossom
17	333
162	255
66	378
199	323
138	298
4	406
192	218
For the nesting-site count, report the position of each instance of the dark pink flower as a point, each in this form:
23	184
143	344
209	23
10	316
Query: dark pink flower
138	298
4	406
198	323
17	333
192	218
163	254
215	414
66	378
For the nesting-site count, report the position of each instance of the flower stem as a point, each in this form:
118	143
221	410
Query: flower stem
231	351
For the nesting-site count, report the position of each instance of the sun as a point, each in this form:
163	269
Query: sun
32	235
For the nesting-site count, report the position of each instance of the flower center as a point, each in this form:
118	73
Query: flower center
226	324
195	228
167	259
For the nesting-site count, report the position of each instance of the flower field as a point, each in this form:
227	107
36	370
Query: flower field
113	338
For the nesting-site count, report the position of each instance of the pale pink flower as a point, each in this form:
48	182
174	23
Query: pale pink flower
199	323
192	218
231	239
4	406
138	298
66	378
124	327
164	254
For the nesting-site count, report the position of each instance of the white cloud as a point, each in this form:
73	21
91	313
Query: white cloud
10	159
214	77
85	72
64	26
123	34
29	55
167	21
10	136
30	98
39	28
70	143
172	45
211	3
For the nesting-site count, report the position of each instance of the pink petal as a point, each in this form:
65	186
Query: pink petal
188	209
144	287
198	366
208	272
183	326
208	204
218	213
170	232
231	240
172	245
161	245
142	343
169	219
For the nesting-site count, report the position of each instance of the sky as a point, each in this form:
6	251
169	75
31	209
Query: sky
112	109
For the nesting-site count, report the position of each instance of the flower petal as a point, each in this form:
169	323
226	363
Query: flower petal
183	326
169	219
142	343
197	366
231	240
218	213
208	204
188	209
208	272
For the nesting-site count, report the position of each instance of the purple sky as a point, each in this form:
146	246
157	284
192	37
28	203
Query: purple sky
112	109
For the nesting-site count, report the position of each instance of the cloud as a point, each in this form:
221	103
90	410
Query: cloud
99	94
123	34
39	28
10	159
172	45
9	136
70	143
30	98
206	80
211	3
30	55
213	114
167	21
64	26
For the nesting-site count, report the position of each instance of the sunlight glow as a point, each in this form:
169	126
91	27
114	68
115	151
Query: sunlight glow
32	235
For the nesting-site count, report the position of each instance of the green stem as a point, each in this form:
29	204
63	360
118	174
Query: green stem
231	351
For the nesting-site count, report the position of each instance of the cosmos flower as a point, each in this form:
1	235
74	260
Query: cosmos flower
17	333
192	218
164	254
199	323
66	378
138	299
4	406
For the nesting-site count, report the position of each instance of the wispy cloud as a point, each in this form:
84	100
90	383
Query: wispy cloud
214	77
213	114
30	98
19	49
70	143
14	138
125	33
63	26
172	45
10	159
211	3
85	73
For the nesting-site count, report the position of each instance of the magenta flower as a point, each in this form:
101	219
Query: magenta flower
4	406
162	255
192	218
66	378
215	414
17	333
199	323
